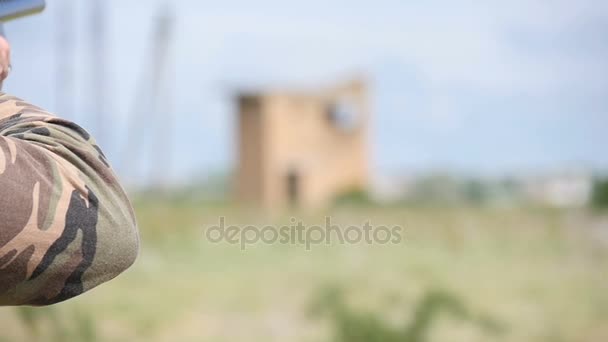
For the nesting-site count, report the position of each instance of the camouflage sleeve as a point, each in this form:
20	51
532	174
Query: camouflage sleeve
66	224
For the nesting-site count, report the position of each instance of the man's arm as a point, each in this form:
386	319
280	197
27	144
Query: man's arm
66	224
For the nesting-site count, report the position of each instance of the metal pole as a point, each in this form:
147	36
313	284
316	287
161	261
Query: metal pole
64	59
98	69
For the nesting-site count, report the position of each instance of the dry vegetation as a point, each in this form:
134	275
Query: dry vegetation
473	274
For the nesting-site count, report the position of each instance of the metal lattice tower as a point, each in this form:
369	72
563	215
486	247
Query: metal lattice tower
151	114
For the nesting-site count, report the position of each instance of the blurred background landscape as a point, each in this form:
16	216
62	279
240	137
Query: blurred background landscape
477	127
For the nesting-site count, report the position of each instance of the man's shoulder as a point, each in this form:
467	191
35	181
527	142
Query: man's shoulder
12	107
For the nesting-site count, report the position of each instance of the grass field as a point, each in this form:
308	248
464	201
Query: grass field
515	274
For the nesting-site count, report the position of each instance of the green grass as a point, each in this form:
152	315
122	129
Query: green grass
540	275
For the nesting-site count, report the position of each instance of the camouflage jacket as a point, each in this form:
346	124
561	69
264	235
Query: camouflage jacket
66	224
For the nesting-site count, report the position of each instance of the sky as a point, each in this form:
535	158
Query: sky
477	86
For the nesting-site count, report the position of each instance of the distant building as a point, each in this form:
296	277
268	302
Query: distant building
566	189
302	147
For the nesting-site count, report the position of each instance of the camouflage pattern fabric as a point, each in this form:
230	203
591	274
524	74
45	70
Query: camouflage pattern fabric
66	224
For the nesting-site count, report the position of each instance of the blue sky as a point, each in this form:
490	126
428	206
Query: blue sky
477	86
